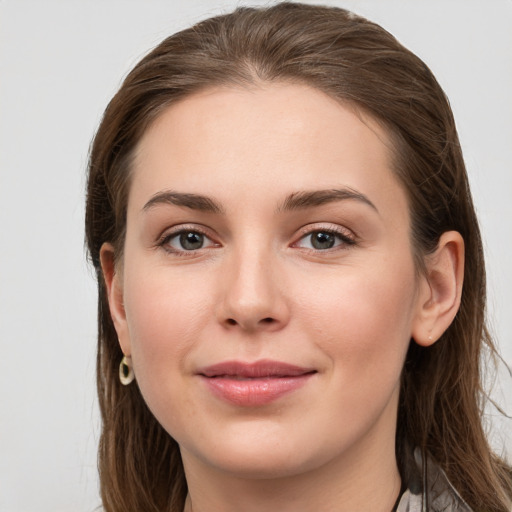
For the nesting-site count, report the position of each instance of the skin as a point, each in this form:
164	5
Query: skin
258	289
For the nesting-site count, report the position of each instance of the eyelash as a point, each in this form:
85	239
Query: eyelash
345	240
345	237
165	239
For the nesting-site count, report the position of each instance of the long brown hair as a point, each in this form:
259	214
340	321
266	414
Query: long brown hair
354	61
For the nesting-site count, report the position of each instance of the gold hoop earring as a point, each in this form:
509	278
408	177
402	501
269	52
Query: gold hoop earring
126	375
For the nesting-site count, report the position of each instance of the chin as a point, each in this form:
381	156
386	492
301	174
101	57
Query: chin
261	456
262	465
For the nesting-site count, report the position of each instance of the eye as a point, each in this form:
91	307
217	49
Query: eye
186	241
324	239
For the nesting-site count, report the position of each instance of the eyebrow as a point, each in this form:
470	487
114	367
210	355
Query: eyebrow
295	201
192	201
308	199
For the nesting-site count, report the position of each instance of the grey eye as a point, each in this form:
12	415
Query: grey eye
187	240
322	240
190	240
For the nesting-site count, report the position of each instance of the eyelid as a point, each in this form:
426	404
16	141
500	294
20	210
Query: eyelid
347	236
169	233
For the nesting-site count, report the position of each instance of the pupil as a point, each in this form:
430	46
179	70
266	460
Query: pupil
322	240
191	241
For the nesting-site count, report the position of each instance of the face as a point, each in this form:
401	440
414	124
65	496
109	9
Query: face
267	293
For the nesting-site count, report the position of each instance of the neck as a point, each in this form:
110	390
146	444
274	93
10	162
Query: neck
353	484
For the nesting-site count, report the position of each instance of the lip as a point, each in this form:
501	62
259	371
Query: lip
254	384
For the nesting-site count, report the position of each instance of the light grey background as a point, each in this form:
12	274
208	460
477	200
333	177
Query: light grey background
60	62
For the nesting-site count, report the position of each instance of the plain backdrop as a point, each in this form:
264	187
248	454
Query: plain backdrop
60	62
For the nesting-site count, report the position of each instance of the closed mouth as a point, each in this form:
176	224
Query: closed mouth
263	369
254	384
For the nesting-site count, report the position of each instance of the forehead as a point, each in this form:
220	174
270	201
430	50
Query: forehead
266	139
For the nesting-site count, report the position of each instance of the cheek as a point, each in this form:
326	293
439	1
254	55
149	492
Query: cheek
362	319
362	323
165	314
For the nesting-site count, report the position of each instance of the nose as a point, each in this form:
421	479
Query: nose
252	293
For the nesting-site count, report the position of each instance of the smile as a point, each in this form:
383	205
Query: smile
254	384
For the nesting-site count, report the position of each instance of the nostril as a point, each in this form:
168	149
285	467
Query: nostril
249	324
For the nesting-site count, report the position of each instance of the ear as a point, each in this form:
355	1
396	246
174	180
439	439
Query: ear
113	283
440	289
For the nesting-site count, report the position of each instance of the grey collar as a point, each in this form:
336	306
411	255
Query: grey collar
428	488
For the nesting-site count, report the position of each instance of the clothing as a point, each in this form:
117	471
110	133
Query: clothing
428	488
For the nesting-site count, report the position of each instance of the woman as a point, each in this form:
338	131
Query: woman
291	280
